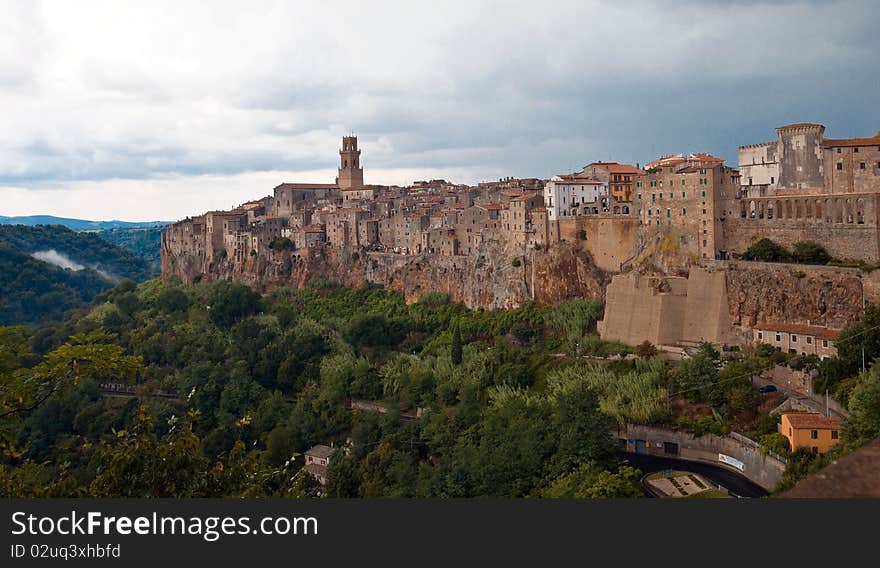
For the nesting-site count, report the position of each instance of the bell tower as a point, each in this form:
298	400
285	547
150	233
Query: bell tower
350	172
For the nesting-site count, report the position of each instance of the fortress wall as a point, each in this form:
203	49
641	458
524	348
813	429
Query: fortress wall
706	316
846	225
634	312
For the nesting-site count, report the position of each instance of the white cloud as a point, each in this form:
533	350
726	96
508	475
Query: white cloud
166	94
56	258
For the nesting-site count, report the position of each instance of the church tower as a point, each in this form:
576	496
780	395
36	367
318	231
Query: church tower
350	172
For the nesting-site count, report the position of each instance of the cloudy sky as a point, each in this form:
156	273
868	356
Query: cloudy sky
158	110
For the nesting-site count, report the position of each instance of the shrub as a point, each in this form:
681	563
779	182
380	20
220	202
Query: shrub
281	243
810	252
766	250
516	262
646	350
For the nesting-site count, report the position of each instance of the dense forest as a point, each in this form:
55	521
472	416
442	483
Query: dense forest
143	243
232	388
35	291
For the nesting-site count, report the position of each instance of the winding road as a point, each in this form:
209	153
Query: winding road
735	483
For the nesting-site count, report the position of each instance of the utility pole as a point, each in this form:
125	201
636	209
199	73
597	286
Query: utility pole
863	323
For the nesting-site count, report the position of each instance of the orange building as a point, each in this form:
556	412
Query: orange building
813	431
620	177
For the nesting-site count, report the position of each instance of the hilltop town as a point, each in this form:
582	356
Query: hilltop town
661	243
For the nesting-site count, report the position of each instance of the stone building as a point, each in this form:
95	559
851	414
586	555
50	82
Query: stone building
852	165
621	178
690	198
798	338
350	172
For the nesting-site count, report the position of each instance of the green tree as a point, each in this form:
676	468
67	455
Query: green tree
863	423
456	348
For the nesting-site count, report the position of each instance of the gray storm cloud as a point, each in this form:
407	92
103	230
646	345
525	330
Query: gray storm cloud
482	88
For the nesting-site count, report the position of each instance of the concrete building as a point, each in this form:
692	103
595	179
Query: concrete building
566	195
317	460
812	431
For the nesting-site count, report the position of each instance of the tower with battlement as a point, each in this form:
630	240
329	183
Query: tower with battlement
350	172
800	158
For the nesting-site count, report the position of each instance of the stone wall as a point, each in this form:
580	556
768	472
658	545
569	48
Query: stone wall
762	470
723	300
846	225
610	239
667	310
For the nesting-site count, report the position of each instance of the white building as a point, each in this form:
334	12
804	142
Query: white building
759	169
569	195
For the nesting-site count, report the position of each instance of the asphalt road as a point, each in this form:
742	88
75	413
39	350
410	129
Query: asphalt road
735	483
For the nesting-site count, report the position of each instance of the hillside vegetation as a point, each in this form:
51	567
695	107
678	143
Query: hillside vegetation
35	291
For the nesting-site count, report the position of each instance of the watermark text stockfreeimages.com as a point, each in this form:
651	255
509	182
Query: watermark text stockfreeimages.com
208	528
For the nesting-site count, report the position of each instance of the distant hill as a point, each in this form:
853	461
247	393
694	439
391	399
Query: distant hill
144	243
47	270
78	224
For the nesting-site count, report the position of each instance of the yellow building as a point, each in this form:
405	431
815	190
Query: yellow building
813	431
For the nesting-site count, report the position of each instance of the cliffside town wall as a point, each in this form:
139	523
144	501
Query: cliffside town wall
669	227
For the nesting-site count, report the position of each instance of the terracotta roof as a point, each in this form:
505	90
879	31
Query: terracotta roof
616	168
572	180
850	142
800	329
525	197
307	186
491	207
319	451
809	421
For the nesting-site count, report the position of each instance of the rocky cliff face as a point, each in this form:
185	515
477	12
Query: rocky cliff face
491	278
762	292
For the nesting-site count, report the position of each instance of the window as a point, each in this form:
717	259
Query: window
862	166
639	196
683	211
794	338
683	195
704	194
809	340
856	150
834	434
760	335
778	337
839	166
668	213
814	434
815	450
772	180
838	150
824	343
